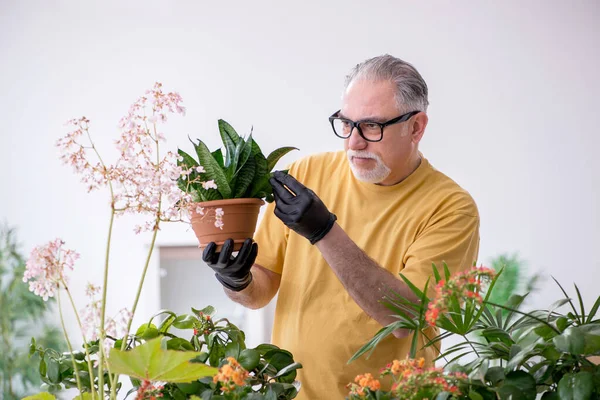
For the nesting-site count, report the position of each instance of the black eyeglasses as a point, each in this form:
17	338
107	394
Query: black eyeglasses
371	131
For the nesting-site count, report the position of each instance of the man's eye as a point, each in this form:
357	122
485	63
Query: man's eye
369	125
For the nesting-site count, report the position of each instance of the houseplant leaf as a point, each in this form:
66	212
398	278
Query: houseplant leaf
230	139
244	178
212	168
576	386
151	362
276	155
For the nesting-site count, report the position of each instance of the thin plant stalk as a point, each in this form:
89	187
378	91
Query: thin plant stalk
62	321
87	353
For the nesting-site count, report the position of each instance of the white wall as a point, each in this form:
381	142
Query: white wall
513	118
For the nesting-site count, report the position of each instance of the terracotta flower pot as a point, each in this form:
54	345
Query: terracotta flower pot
239	221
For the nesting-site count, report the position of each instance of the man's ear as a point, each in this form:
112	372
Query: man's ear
417	127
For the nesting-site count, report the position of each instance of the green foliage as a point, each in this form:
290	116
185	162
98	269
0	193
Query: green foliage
242	172
21	315
520	355
186	364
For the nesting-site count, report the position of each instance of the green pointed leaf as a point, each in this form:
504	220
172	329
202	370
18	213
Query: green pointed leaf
245	178
245	153
230	139
213	170
151	361
40	396
577	386
276	155
593	311
218	156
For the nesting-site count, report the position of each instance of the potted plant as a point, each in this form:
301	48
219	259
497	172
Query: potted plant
230	186
210	359
505	353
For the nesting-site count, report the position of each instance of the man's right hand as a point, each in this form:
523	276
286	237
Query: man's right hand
232	272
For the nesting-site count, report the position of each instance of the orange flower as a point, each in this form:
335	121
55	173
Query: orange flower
463	285
231	375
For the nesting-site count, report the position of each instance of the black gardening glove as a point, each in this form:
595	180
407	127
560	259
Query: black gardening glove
303	212
232	272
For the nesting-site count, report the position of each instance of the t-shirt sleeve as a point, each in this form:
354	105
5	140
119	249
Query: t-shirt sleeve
453	240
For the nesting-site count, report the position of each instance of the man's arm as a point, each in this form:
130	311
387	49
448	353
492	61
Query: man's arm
260	291
363	278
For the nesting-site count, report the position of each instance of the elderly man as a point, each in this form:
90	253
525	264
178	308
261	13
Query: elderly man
350	222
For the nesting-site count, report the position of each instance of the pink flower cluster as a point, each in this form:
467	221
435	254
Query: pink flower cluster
464	285
141	180
45	268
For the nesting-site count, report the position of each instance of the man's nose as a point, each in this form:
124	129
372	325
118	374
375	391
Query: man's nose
356	141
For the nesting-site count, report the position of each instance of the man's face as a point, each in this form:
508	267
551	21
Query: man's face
393	158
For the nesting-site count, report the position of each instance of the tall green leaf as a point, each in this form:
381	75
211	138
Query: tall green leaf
276	155
212	169
230	139
151	361
245	178
245	153
218	156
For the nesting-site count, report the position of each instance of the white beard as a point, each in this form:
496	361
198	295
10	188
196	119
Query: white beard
376	174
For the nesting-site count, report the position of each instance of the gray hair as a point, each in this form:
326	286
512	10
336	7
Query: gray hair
411	89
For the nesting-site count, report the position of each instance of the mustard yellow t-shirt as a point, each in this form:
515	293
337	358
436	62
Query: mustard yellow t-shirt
427	218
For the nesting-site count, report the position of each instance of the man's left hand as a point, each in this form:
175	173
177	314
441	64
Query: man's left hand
302	211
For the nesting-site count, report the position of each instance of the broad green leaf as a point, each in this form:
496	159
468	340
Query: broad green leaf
53	370
84	396
249	359
494	334
184	321
147	331
265	348
495	375
151	361
208	310
518	385
578	340
288	369
212	169
474	395
545	332
577	386
179	344
40	396
276	155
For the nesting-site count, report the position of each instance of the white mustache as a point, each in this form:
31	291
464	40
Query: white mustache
362	154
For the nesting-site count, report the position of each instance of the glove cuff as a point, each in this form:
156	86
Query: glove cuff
237	285
325	230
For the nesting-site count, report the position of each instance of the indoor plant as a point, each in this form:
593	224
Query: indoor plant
515	355
230	185
142	180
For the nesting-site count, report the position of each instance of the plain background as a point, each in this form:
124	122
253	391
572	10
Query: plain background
513	116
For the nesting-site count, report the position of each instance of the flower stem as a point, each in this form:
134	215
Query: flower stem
103	312
62	322
87	353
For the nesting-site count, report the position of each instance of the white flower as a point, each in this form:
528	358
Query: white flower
209	185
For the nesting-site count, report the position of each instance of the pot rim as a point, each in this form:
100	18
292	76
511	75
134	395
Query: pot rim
225	202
